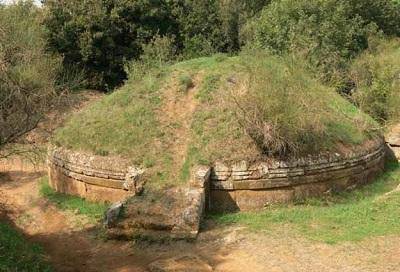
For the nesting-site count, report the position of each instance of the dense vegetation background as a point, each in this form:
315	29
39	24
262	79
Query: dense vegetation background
64	44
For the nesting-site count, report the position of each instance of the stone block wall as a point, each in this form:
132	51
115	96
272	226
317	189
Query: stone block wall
95	178
251	186
177	212
172	213
393	140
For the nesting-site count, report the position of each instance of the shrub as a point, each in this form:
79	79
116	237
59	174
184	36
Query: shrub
376	74
384	13
208	27
326	32
157	53
235	16
27	72
100	35
200	27
185	82
286	112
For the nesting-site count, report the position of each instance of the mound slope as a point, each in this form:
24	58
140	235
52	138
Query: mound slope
251	107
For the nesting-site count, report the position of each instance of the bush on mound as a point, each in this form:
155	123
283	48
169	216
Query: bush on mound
376	75
220	108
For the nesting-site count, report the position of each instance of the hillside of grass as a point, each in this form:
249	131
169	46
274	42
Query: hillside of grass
217	108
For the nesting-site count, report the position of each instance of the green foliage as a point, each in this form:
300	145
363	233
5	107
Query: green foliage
200	27
100	35
384	13
94	211
350	216
376	74
159	52
235	15
28	73
326	32
16	254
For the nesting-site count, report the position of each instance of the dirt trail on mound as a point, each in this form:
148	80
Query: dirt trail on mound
176	117
72	245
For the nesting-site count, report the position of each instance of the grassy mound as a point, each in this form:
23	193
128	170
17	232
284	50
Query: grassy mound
218	108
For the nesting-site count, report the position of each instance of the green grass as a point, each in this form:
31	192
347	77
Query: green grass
350	216
185	82
16	254
94	211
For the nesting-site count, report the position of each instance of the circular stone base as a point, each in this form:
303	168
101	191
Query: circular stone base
95	178
245	186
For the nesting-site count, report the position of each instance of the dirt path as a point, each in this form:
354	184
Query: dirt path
70	247
73	246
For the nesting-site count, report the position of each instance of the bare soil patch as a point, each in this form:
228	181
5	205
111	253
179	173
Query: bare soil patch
176	119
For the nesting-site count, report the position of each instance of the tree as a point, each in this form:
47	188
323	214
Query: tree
325	32
100	35
27	72
200	27
384	13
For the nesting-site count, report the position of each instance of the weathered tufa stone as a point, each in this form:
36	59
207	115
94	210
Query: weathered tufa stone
189	221
133	180
393	140
240	167
200	176
393	137
174	213
220	171
263	168
99	178
184	263
113	214
249	186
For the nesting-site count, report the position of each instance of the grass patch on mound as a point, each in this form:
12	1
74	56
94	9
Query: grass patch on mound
16	254
245	107
94	211
350	216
